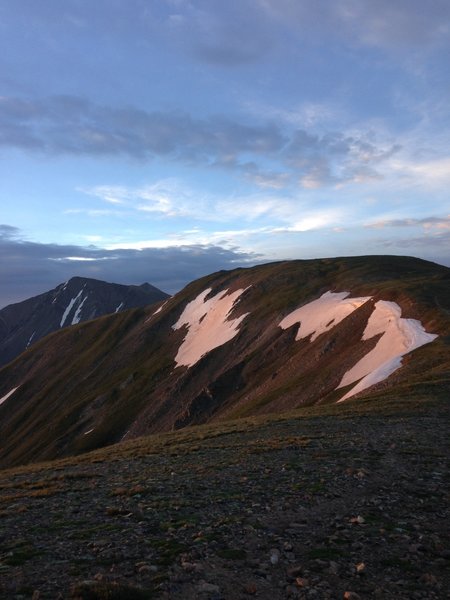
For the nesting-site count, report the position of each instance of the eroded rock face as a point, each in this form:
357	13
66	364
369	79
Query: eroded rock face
245	342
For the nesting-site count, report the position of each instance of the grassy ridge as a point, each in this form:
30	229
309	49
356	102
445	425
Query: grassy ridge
116	371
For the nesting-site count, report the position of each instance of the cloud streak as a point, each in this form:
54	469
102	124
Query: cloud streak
437	224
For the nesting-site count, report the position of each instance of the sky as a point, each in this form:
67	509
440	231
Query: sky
162	140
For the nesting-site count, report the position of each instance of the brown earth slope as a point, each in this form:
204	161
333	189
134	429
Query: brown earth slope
117	378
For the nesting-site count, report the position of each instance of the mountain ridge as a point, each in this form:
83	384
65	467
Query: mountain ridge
117	377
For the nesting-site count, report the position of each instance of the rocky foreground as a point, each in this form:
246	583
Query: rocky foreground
317	508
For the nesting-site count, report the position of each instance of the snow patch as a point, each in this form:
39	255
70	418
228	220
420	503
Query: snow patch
148	319
399	336
160	308
6	396
119	307
31	339
77	316
69	308
322	314
209	325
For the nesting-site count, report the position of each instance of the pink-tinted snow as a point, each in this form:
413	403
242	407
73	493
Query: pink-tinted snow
208	325
398	337
322	314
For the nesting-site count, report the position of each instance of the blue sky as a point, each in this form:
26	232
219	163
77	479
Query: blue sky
161	140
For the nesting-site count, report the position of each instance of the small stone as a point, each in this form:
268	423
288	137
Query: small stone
290	556
36	595
274	556
333	567
428	579
147	569
294	571
208	588
301	582
359	520
351	596
191	567
360	567
250	589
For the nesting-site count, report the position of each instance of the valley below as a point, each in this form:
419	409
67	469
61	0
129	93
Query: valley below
348	501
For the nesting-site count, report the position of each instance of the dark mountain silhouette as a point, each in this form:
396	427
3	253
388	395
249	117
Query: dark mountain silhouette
79	299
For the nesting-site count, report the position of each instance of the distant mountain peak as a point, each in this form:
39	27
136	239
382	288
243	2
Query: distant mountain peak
74	301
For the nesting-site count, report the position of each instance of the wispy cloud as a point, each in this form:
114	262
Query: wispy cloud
426	173
166	197
240	236
437	224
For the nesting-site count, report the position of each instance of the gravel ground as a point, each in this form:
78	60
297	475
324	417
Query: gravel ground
314	508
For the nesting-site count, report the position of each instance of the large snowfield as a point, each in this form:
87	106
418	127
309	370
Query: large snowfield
208	325
398	336
322	314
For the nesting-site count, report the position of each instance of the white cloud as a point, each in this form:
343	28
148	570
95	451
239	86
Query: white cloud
431	173
166	197
229	238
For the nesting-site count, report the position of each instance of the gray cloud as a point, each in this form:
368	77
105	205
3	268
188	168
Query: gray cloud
434	247
384	24
435	223
232	34
8	232
75	126
433	243
29	268
225	34
335	157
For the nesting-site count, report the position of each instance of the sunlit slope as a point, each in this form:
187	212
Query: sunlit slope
224	348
